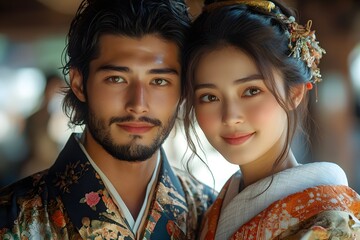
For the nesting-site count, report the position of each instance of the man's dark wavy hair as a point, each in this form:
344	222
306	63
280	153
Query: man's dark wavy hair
168	19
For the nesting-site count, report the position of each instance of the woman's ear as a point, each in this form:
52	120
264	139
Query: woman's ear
297	93
76	84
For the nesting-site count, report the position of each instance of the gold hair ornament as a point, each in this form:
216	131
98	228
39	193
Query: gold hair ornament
303	45
302	40
266	5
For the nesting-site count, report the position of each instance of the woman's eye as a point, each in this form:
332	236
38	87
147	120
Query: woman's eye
208	98
116	79
160	82
251	92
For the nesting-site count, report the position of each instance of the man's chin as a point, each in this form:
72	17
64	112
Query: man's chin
131	152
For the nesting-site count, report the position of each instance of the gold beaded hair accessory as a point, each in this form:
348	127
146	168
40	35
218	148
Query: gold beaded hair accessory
266	5
302	40
303	45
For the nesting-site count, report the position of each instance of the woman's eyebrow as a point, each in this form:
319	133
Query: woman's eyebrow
253	77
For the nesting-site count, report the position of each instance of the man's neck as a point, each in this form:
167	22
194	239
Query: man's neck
130	179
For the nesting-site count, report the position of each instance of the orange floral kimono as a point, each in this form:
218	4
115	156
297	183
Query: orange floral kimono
324	211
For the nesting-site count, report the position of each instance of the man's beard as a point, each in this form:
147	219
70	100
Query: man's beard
133	151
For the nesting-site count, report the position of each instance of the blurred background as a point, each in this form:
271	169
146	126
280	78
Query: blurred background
33	128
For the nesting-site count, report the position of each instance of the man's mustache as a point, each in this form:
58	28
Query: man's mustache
153	121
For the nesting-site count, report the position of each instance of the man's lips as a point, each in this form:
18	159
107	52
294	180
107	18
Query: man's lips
236	139
136	127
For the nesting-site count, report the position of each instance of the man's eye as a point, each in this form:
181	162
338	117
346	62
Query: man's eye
116	79
208	98
160	82
251	92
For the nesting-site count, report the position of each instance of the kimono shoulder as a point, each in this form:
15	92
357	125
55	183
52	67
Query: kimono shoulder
20	194
198	195
178	205
195	188
29	209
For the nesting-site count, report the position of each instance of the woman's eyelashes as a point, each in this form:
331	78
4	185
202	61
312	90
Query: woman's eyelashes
207	98
251	91
247	93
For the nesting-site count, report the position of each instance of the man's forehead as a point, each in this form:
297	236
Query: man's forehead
149	51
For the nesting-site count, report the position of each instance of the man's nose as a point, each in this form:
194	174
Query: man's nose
137	101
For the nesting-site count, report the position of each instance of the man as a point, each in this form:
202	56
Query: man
114	181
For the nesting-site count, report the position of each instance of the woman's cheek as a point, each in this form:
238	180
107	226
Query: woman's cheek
265	112
206	121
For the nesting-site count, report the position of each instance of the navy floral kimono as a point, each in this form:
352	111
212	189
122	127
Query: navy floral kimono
69	201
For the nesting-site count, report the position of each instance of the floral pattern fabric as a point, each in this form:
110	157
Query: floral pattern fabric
69	201
322	212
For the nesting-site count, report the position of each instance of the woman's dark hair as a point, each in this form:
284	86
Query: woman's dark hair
167	19
264	38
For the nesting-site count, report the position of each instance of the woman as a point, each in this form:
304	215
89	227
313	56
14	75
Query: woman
249	67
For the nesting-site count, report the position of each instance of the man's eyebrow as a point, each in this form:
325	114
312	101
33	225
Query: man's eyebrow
127	69
253	77
113	68
163	71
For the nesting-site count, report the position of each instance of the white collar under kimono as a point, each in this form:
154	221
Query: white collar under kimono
239	208
116	196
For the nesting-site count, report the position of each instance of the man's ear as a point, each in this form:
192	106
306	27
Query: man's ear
76	84
297	93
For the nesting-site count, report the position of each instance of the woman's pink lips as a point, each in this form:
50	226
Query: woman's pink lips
136	128
237	138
